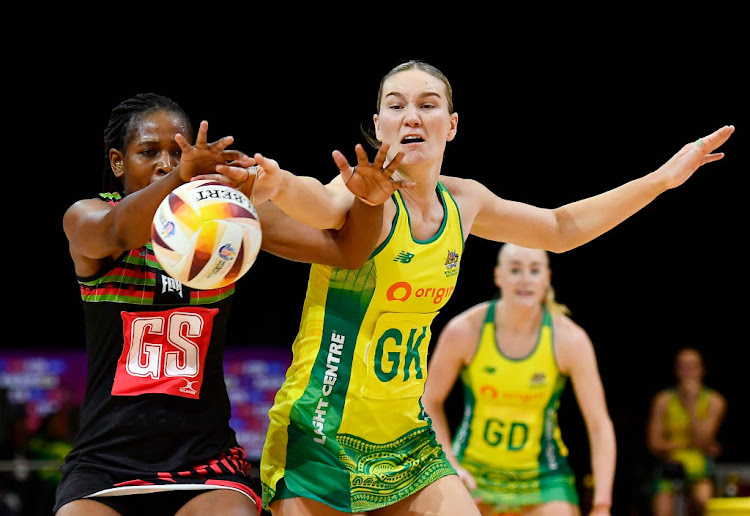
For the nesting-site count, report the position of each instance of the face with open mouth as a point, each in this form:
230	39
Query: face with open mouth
414	117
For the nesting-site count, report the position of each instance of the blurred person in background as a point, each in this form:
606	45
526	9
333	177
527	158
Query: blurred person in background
683	424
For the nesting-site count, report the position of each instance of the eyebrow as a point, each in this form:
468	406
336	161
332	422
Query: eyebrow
146	141
520	262
421	95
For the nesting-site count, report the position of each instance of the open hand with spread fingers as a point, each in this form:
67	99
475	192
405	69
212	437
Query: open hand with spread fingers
202	159
371	182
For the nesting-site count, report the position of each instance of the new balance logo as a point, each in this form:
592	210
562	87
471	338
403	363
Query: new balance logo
403	257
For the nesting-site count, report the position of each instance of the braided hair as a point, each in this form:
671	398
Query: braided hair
123	120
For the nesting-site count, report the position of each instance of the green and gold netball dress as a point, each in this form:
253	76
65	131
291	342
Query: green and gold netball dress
347	427
509	439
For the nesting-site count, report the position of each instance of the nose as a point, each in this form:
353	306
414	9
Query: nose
165	163
411	116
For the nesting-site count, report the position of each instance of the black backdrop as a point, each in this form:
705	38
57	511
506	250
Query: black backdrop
554	105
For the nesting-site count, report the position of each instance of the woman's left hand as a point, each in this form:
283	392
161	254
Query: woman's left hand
694	155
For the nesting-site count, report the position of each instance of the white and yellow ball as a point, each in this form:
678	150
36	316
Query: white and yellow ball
206	234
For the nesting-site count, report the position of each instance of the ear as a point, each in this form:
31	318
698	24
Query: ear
116	162
377	127
454	126
496	275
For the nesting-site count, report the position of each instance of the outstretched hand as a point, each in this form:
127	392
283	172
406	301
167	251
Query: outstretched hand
371	182
207	159
694	155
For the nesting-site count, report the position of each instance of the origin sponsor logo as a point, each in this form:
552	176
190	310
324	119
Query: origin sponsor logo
403	290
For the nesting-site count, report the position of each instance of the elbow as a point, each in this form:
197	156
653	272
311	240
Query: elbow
568	233
603	428
559	249
431	404
562	244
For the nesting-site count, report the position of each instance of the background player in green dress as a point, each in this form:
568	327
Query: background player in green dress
514	356
683	424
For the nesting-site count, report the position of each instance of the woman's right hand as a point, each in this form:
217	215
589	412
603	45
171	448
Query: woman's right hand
203	157
466	478
371	182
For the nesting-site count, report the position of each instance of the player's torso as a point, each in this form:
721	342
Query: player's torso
677	419
373	327
510	415
155	348
678	425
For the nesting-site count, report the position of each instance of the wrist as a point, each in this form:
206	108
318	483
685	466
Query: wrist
289	188
366	202
251	174
177	174
658	181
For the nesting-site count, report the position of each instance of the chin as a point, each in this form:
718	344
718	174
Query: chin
418	158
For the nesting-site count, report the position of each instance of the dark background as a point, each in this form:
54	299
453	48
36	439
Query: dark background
554	105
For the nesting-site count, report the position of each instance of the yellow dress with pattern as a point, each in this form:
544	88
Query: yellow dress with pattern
347	427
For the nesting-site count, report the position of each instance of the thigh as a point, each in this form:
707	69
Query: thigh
552	509
87	507
447	496
226	502
299	506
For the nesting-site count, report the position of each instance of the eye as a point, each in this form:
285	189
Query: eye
148	153
395	104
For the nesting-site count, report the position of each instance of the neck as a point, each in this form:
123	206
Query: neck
426	178
518	318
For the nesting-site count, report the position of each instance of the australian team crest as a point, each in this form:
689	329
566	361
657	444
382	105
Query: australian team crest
538	379
451	264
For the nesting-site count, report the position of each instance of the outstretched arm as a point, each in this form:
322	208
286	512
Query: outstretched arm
337	224
325	206
348	247
574	224
97	230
